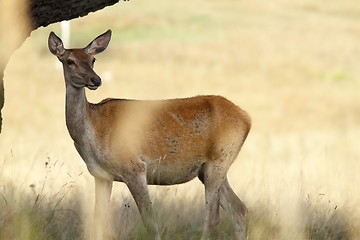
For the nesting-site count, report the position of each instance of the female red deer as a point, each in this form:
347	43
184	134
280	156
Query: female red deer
152	142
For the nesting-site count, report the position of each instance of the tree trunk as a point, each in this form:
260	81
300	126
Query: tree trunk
2	98
19	17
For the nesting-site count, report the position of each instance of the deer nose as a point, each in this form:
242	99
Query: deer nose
96	81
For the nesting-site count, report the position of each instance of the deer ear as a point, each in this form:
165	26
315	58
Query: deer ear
56	46
99	44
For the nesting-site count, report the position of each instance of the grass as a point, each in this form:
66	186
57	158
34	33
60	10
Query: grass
39	215
292	65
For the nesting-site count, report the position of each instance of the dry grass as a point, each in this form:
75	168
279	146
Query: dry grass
293	65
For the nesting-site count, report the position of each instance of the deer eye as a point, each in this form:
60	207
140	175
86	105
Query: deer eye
70	62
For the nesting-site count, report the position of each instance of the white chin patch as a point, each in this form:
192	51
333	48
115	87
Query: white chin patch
92	87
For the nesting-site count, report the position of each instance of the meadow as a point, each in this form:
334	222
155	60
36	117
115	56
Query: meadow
292	65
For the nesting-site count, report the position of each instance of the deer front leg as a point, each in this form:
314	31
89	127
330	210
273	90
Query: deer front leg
137	185
102	196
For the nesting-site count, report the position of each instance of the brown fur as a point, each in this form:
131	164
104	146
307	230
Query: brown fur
179	135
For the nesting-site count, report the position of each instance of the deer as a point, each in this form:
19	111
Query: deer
152	142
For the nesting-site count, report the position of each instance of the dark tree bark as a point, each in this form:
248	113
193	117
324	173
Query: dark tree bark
32	14
45	12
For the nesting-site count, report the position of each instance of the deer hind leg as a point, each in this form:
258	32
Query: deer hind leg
101	221
137	185
234	208
212	175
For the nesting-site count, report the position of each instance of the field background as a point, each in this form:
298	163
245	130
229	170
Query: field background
292	65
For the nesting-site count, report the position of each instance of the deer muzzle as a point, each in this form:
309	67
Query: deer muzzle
95	82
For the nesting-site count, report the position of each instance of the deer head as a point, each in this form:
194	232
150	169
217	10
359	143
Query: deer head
78	63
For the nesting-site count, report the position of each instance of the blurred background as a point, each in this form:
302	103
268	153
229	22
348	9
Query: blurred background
292	65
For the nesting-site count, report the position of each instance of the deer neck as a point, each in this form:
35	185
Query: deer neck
77	118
